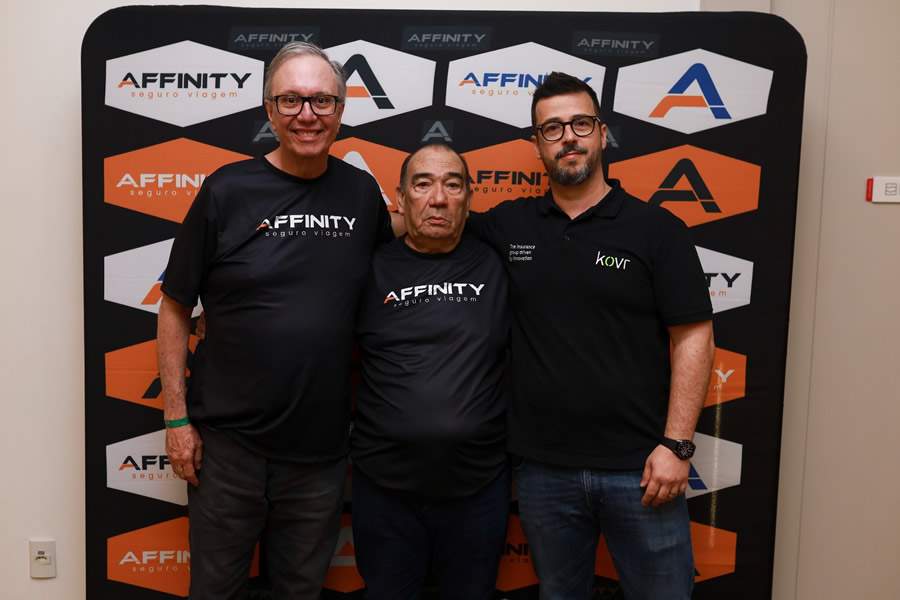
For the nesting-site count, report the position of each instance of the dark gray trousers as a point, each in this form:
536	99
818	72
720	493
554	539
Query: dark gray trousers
243	498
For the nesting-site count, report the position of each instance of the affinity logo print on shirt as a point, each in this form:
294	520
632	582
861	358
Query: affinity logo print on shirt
308	226
434	292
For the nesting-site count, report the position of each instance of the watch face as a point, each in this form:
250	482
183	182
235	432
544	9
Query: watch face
685	449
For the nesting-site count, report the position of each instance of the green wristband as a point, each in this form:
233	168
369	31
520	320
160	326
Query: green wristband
177	422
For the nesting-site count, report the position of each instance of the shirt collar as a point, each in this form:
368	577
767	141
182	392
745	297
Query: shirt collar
608	207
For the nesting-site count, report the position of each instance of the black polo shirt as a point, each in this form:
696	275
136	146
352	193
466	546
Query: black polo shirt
591	299
433	334
279	263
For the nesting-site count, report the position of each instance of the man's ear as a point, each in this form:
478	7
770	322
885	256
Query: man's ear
534	140
401	201
603	130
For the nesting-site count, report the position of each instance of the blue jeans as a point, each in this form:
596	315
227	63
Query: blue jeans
399	535
565	510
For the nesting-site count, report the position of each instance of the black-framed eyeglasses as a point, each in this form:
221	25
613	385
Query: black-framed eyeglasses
581	126
290	105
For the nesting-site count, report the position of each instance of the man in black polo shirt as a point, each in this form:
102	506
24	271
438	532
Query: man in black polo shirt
278	249
430	481
602	414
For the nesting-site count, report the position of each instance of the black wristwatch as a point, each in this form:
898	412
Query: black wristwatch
683	449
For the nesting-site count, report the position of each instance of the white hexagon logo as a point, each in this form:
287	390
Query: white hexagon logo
140	466
382	82
730	279
716	465
499	84
134	277
692	91
184	83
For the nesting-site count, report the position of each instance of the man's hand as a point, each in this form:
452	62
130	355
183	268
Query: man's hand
665	477
185	450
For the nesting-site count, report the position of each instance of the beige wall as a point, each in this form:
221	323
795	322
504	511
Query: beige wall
839	528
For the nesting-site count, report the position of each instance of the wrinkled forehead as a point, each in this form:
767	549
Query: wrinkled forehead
436	162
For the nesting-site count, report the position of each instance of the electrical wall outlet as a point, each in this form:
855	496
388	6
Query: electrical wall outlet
42	558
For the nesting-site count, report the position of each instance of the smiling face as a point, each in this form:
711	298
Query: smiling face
305	136
434	199
571	160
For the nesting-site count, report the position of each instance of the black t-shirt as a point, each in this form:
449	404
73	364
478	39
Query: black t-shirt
591	299
279	263
433	334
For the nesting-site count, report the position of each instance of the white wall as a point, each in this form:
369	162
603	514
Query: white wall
838	527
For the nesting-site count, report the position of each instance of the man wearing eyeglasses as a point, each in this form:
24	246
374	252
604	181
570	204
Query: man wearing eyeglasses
602	417
278	249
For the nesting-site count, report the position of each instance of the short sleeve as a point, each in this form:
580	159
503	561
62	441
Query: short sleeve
384	232
679	284
192	251
483	225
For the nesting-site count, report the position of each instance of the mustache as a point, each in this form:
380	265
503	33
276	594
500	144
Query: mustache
570	148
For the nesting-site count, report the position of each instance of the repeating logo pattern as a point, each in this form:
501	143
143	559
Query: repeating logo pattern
505	171
140	466
692	91
379	81
162	180
134	277
730	279
188	83
696	185
379	161
132	373
499	84
716	465
184	83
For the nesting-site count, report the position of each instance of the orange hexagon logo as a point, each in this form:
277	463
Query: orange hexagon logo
132	373
157	557
696	185
381	162
162	180
516	570
343	576
714	553
728	380
505	171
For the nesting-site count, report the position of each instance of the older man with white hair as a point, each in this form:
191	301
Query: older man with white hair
277	248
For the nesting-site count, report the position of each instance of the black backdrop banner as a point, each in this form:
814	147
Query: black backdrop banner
704	112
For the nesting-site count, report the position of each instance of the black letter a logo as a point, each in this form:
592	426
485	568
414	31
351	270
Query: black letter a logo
699	191
370	87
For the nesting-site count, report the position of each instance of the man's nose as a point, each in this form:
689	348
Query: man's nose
438	196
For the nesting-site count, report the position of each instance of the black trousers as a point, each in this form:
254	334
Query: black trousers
399	536
243	498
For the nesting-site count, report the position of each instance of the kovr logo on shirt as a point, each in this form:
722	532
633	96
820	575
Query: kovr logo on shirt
611	262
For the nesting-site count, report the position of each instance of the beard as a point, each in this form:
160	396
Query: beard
564	176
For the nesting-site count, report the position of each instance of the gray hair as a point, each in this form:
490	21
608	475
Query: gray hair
295	49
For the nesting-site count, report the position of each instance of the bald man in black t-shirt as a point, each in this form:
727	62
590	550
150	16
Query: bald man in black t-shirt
430	480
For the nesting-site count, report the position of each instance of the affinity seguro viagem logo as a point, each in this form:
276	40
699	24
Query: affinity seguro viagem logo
162	180
692	91
499	84
184	83
140	466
